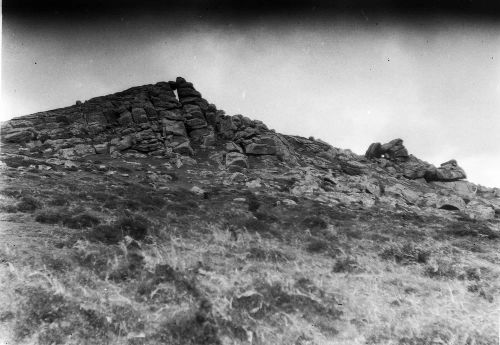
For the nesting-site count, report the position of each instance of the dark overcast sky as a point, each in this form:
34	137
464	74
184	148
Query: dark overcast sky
349	72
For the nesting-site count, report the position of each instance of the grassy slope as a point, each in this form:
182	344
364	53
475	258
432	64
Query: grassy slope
230	266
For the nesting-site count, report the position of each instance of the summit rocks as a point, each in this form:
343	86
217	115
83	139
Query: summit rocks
157	120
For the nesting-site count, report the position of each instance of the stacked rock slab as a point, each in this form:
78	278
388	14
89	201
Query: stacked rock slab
393	150
412	167
195	109
163	119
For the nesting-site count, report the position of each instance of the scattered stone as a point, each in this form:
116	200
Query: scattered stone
80	150
55	161
101	148
70	165
197	190
237	177
254	184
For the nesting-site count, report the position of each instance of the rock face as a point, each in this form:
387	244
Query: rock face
156	120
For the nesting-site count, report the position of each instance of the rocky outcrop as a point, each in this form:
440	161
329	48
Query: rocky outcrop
448	171
158	120
410	166
172	120
393	150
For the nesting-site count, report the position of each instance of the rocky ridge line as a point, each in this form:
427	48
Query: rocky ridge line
172	121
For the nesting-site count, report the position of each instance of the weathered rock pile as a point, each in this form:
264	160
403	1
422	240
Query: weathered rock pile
393	150
163	119
394	155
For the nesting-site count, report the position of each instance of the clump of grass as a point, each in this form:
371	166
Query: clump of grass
253	202
12	192
261	227
317	246
473	229
270	298
59	200
482	290
194	327
314	222
346	264
406	253
444	268
56	263
268	254
40	307
80	221
166	275
54	318
96	257
134	225
9	208
106	233
50	216
19	161
28	204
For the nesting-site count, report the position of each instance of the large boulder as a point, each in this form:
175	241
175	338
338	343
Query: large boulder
449	171
393	150
374	151
184	149
352	167
479	210
236	159
451	202
398	190
17	135
464	189
262	145
260	149
79	150
415	168
173	127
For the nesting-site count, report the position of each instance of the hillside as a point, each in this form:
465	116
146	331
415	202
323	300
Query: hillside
149	216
